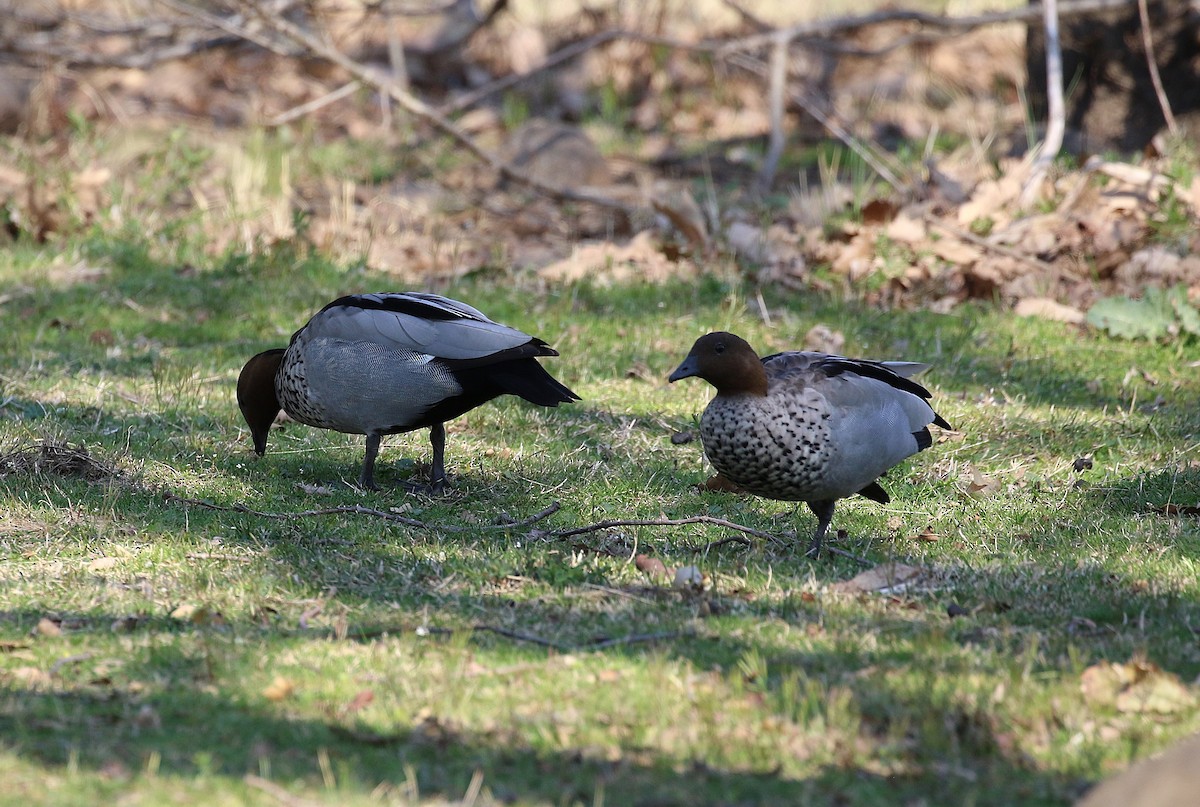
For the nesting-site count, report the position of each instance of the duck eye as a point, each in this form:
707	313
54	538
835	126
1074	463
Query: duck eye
720	348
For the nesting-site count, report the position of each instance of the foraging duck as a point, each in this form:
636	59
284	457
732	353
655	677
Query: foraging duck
379	364
804	426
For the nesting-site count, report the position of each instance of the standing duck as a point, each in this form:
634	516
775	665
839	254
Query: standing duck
809	427
379	364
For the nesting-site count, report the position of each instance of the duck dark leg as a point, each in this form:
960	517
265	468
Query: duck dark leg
366	479
824	513
437	476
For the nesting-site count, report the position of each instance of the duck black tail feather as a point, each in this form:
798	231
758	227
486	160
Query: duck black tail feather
530	380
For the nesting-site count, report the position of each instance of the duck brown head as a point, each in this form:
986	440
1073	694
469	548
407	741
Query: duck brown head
256	395
726	361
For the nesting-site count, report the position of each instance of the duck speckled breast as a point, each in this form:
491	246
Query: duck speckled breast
778	446
291	387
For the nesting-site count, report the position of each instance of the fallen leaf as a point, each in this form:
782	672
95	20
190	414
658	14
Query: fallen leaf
883	578
879	211
906	229
927	535
279	689
651	566
957	252
1138	686
1162	694
102	564
1045	308
981	485
360	701
197	615
824	339
721	484
48	627
31	676
314	490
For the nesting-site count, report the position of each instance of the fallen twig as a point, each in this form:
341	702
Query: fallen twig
843	553
871	156
840	25
711	545
596	644
636	638
311	106
521	637
415	106
664	522
983	243
358	509
277	792
572	51
1152	63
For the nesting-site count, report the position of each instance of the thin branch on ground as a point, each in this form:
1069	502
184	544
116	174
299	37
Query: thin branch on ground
1152	64
521	637
358	509
983	243
561	647
636	638
315	104
711	545
664	522
277	792
861	561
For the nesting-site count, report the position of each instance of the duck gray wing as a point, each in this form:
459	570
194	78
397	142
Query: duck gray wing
427	324
860	382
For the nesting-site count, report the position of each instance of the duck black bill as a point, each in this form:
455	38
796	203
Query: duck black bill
685	370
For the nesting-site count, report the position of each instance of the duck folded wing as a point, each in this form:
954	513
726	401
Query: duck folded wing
820	369
425	324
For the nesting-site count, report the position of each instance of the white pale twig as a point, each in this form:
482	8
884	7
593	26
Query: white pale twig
1056	121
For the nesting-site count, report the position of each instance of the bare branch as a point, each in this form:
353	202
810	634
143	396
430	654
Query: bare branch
664	522
313	105
1152	63
870	156
358	509
777	84
468	100
423	111
838	25
1056	123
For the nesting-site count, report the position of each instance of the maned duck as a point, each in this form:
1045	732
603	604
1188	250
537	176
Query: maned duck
379	364
809	427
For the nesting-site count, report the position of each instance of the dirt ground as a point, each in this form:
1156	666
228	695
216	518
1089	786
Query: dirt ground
671	130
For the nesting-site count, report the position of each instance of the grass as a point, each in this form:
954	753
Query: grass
162	651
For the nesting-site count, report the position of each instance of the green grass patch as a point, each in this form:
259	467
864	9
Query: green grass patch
171	652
